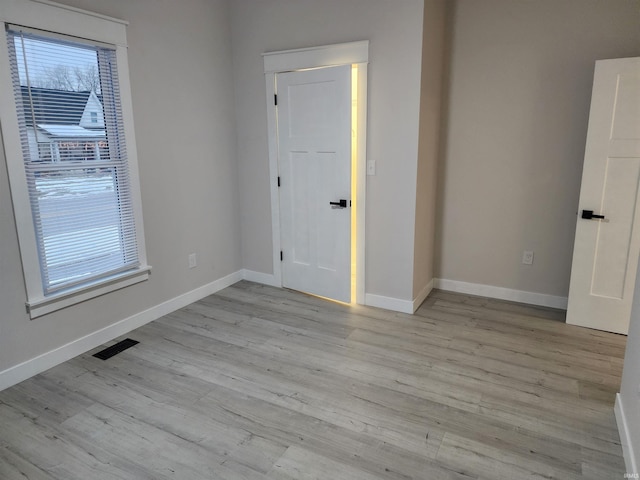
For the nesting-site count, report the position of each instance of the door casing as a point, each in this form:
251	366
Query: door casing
316	57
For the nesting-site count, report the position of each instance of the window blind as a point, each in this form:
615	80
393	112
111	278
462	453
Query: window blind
72	138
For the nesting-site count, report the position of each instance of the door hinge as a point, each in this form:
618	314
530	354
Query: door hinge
281	256
275	99
278	181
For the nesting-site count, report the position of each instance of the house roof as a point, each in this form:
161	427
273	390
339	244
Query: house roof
71	131
57	107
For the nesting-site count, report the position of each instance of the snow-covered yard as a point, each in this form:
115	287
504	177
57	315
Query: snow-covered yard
80	218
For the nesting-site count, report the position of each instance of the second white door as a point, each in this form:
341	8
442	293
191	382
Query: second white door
607	243
314	143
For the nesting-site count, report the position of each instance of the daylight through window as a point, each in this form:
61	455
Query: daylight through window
72	137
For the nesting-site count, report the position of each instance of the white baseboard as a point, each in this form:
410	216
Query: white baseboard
397	304
424	293
388	303
625	437
259	277
380	301
39	364
490	291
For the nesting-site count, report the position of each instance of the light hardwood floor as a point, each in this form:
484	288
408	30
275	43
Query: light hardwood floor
256	382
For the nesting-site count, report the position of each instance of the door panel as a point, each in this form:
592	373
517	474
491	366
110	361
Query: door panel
327	170
606	251
311	108
613	239
314	141
627	110
300	210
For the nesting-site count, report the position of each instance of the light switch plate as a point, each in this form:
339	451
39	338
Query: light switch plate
371	167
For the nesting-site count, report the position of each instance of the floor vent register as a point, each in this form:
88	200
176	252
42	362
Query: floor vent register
115	349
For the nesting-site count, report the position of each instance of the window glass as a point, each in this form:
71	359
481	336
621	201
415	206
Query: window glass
77	177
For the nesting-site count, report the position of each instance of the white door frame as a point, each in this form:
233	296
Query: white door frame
315	57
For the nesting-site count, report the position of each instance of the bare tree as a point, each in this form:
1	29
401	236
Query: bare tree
57	78
62	77
87	78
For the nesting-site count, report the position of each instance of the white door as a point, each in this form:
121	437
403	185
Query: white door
314	148
606	250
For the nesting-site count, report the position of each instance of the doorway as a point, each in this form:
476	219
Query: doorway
318	248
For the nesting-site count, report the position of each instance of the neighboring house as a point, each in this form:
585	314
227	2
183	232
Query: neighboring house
76	133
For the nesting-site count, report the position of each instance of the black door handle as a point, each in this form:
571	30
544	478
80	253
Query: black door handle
341	203
589	215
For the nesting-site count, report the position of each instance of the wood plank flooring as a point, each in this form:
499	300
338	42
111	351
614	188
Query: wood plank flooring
263	383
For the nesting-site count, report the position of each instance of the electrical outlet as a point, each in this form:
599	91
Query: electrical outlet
527	257
371	167
193	263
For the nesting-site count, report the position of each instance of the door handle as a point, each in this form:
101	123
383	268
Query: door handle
589	215
341	204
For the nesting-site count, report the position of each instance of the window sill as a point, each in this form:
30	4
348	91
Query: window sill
40	307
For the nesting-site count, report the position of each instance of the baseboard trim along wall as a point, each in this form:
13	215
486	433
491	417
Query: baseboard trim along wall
39	364
625	437
397	304
259	277
422	296
380	301
388	303
490	291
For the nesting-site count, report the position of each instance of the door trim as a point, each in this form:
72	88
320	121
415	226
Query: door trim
323	56
317	57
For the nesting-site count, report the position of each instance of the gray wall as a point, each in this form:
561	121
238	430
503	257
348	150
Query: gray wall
520	90
628	398
394	29
435	38
180	62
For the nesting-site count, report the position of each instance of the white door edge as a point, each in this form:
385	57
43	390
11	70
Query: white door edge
322	56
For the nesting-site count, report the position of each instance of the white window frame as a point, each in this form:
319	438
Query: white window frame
89	27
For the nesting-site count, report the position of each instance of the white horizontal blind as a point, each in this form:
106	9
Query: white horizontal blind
72	137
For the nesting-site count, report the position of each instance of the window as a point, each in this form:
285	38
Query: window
81	231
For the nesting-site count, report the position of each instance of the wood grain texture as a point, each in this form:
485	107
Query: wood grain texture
263	383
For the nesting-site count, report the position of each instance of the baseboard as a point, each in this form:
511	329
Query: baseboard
625	437
421	297
397	304
39	364
389	303
490	291
259	277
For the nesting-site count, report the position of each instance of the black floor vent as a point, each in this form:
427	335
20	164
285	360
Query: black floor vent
115	349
